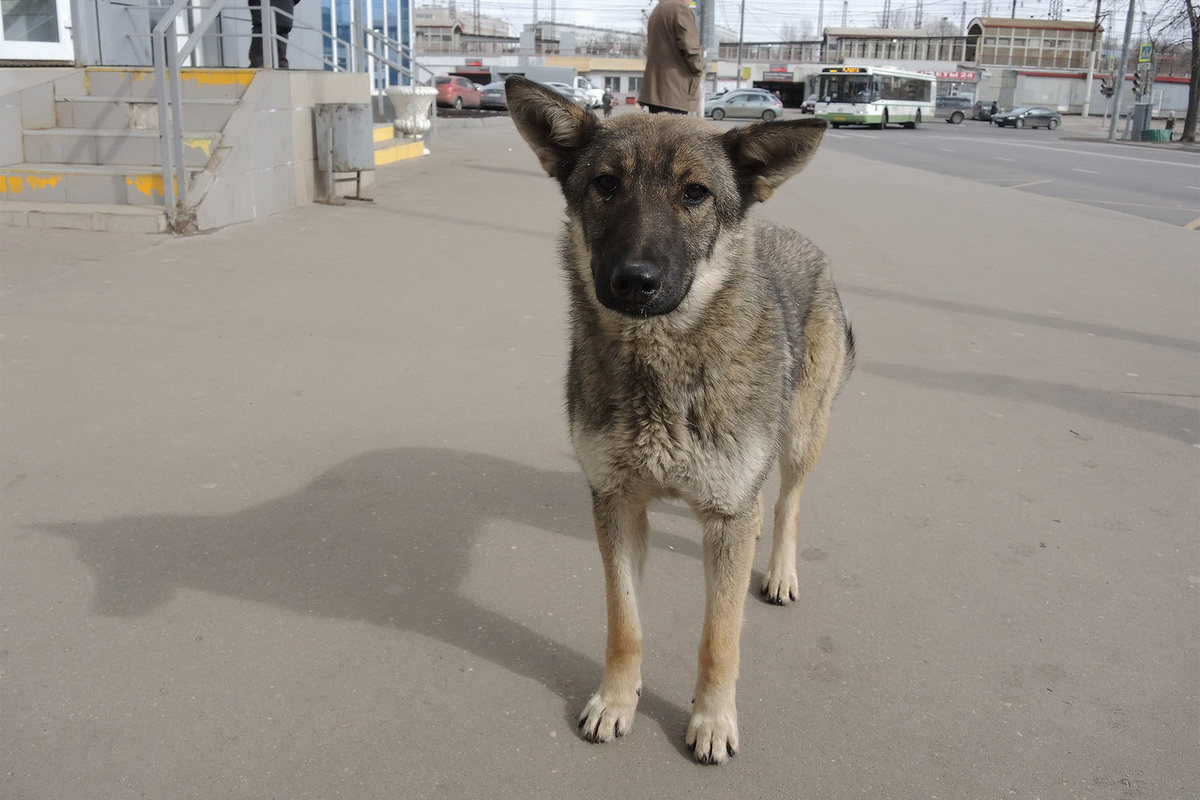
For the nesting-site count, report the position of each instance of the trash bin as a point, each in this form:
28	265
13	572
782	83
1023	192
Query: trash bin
344	140
344	143
1156	136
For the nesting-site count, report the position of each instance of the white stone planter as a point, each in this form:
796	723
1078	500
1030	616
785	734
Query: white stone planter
412	104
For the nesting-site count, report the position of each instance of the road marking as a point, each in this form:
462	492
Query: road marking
1093	201
1088	171
1066	150
1002	158
1194	225
946	149
1031	183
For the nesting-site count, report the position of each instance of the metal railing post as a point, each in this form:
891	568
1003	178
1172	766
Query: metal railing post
164	126
267	15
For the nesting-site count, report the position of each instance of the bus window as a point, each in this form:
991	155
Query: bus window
845	88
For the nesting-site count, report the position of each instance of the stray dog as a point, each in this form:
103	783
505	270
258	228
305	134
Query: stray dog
704	345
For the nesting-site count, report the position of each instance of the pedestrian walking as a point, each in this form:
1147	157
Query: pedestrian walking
674	65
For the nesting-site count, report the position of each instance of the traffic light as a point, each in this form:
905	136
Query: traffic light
1137	84
1106	88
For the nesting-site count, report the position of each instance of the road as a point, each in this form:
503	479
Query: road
1158	184
289	509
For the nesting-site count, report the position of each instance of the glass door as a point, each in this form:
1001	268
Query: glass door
36	30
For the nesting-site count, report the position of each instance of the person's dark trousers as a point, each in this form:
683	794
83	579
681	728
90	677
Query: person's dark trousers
653	109
283	26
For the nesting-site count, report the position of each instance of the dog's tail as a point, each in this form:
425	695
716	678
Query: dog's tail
848	363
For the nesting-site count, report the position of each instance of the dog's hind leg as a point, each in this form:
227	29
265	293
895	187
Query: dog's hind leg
808	424
623	533
781	583
728	557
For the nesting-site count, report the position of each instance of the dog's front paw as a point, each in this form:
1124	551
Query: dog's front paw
713	737
608	715
781	585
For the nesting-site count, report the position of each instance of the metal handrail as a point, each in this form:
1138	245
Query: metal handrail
167	80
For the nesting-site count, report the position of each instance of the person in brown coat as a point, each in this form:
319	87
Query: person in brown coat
674	65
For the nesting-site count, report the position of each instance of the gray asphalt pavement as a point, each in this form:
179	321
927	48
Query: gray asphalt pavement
289	510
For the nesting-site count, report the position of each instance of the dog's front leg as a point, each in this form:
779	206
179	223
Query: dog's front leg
623	532
728	557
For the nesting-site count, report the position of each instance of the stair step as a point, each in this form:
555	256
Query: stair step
194	83
79	146
123	184
92	112
390	148
84	216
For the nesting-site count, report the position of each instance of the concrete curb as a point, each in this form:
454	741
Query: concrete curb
84	217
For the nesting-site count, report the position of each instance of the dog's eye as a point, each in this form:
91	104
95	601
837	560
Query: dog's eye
694	193
606	185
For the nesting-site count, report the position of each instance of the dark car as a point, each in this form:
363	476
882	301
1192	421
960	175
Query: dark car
809	106
456	91
1029	117
493	96
952	109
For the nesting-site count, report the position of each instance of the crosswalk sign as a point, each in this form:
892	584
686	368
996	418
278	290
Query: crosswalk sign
1145	52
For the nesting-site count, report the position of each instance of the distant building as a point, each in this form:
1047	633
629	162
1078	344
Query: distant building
1030	43
440	23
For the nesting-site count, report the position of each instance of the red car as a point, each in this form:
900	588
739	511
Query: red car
458	92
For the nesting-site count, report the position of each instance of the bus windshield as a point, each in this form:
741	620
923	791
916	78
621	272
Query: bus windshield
845	89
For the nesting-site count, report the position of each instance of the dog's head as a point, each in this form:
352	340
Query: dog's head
655	202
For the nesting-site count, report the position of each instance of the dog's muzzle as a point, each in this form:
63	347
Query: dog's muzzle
637	289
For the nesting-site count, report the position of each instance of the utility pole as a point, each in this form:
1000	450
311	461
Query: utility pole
845	11
1120	87
1091	70
741	36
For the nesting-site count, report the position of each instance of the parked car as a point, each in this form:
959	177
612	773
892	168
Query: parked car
493	96
746	104
809	106
453	90
710	98
1029	117
594	94
952	109
570	92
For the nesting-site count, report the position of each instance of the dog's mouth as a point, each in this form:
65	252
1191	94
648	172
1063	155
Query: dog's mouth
639	289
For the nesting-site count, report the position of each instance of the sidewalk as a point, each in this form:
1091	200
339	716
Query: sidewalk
289	510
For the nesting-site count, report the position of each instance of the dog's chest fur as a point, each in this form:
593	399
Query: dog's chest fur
696	416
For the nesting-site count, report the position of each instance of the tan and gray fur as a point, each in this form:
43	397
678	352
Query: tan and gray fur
704	346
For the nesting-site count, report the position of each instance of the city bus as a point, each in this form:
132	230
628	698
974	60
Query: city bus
875	96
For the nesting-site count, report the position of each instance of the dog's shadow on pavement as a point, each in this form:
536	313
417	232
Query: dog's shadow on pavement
385	538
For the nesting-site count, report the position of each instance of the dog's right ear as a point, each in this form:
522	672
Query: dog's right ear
552	125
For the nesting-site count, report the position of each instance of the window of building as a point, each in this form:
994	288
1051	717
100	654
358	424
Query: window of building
635	84
612	83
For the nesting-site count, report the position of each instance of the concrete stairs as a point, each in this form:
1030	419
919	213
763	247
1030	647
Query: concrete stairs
390	148
99	146
85	151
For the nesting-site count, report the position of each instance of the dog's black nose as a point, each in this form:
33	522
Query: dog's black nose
636	282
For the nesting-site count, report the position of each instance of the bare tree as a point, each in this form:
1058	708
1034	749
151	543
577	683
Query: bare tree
1176	26
942	27
898	19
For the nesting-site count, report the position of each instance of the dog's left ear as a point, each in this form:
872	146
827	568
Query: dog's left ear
766	154
552	125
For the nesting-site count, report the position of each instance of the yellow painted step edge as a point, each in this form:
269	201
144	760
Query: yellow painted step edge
390	155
